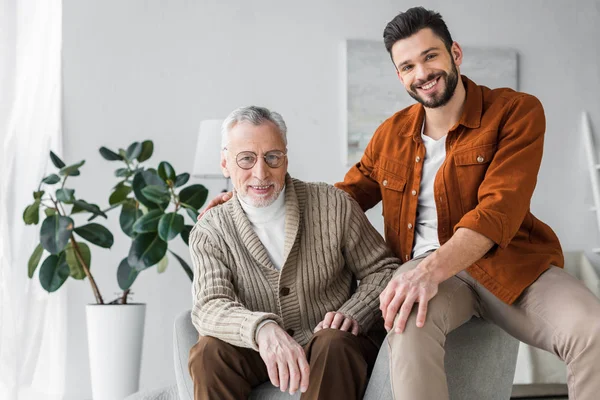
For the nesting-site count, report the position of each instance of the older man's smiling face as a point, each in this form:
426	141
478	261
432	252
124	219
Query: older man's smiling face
260	185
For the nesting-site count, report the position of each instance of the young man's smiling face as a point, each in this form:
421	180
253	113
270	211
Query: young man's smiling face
426	68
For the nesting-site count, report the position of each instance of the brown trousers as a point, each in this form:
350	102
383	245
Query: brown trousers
556	313
339	366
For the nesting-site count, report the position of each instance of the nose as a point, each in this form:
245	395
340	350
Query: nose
260	169
422	73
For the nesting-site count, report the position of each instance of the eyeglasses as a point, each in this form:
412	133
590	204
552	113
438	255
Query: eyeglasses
247	159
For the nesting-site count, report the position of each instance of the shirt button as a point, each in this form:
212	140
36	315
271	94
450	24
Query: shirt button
290	332
480	159
414	192
409	226
384	182
418	159
284	291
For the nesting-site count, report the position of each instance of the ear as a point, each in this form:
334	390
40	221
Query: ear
226	173
456	53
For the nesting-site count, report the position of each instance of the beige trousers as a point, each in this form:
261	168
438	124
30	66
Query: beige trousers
556	313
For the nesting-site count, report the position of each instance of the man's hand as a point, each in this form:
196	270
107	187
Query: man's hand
284	357
220	199
401	293
337	320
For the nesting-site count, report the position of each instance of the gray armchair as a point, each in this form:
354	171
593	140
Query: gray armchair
480	364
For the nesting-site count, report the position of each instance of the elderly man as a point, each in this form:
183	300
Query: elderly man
275	274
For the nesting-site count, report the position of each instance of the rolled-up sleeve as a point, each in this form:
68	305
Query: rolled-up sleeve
505	194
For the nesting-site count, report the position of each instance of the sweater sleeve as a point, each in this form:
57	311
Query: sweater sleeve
369	259
216	310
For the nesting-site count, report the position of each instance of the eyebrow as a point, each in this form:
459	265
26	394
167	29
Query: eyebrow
424	52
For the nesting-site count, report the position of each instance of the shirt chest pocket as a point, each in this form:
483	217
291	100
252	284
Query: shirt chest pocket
471	168
391	185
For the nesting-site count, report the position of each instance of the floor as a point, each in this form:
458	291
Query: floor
540	391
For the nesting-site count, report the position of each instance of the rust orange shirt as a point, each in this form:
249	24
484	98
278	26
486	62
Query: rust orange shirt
493	155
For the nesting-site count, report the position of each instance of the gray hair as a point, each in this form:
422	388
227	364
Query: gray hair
255	115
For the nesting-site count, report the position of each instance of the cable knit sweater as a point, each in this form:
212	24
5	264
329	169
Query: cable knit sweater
329	243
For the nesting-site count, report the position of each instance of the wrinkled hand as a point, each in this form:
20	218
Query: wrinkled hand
337	320
402	292
220	199
285	359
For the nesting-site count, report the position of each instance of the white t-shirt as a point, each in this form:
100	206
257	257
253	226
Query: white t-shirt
269	225
426	235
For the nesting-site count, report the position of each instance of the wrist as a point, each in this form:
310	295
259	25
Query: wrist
432	268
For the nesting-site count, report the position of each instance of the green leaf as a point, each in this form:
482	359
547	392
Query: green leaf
55	233
148	222
72	170
120	193
146	250
50	212
67	196
133	151
170	225
143	179
194	195
182	179
51	179
147	150
75	266
54	272
157	194
185	233
184	265
58	163
38	195
34	260
82	205
166	171
192	213
126	275
123	173
31	215
109	154
96	234
129	214
162	265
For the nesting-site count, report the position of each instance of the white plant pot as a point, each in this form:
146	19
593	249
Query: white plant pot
115	338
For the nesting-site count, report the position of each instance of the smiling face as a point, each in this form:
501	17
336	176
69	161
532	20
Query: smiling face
427	70
260	185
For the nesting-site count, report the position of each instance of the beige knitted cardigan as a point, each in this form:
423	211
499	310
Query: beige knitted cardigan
329	243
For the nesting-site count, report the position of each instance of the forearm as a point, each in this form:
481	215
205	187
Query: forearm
229	321
463	249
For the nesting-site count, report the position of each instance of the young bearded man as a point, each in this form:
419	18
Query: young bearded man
456	173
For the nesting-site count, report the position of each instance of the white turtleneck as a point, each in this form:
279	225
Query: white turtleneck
269	224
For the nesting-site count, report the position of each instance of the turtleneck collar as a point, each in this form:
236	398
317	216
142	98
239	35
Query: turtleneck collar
261	215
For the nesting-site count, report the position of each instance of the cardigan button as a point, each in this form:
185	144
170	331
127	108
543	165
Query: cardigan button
480	159
418	159
414	192
384	182
284	291
290	332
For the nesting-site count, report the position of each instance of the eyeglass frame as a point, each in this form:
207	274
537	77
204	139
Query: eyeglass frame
264	157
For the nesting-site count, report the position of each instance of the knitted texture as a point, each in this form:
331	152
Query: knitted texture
329	244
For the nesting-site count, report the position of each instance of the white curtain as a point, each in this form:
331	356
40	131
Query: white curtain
32	322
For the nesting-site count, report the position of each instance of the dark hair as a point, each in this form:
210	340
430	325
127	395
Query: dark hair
413	20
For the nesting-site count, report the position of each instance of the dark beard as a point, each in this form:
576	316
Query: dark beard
444	98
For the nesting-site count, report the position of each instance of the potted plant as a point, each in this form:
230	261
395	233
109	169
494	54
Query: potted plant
115	328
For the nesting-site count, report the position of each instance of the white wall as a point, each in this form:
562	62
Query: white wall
153	69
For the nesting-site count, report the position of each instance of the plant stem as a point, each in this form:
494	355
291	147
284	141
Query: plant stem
64	181
124	297
86	269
